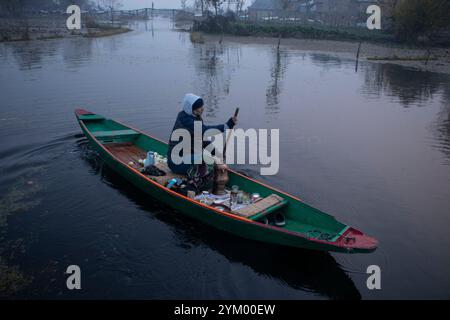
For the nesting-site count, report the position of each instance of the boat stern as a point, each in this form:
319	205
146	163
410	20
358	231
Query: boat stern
81	112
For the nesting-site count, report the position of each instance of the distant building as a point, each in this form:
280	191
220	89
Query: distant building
332	12
262	9
330	6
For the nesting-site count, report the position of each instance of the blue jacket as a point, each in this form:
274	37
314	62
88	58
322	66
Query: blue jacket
185	120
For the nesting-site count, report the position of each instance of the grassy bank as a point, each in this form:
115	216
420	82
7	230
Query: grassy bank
106	32
397	58
92	33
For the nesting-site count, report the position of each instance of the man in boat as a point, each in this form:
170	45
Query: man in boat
193	107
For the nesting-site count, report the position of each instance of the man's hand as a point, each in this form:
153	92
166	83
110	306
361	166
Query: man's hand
231	122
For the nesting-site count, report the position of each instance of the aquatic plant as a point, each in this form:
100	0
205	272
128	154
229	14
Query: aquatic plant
17	199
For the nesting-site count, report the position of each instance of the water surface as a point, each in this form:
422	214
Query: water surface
371	147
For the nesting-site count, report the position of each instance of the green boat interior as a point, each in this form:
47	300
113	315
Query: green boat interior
129	146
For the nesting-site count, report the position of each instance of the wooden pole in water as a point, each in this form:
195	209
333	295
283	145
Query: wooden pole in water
357	57
428	56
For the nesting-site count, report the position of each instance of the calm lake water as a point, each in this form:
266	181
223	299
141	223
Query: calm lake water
370	147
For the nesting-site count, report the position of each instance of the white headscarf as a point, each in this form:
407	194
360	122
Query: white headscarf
188	100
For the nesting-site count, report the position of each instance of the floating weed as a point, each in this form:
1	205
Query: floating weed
17	199
12	280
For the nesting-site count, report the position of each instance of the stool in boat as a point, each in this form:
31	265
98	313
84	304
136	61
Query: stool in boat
263	207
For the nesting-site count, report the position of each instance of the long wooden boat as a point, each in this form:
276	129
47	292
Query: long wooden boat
305	227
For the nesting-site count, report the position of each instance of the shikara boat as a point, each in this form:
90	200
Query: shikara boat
121	146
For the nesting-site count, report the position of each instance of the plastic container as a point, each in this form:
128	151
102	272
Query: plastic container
172	182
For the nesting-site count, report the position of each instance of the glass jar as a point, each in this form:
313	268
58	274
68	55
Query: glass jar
234	194
240	197
246	199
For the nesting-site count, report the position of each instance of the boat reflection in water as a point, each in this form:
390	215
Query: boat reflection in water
310	271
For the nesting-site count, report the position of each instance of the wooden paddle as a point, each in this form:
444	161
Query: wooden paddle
229	136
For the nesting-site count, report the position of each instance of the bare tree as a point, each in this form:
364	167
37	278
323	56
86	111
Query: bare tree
388	10
216	4
239	5
183	4
111	6
202	5
284	6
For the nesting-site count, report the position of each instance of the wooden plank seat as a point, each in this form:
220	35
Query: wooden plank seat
90	116
263	207
114	133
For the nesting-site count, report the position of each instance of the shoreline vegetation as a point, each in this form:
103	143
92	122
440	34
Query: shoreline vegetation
286	29
413	22
290	30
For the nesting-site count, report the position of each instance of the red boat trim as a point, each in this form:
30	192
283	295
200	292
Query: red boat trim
229	215
232	215
153	182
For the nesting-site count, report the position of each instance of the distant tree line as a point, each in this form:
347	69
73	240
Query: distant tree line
203	6
409	20
419	19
